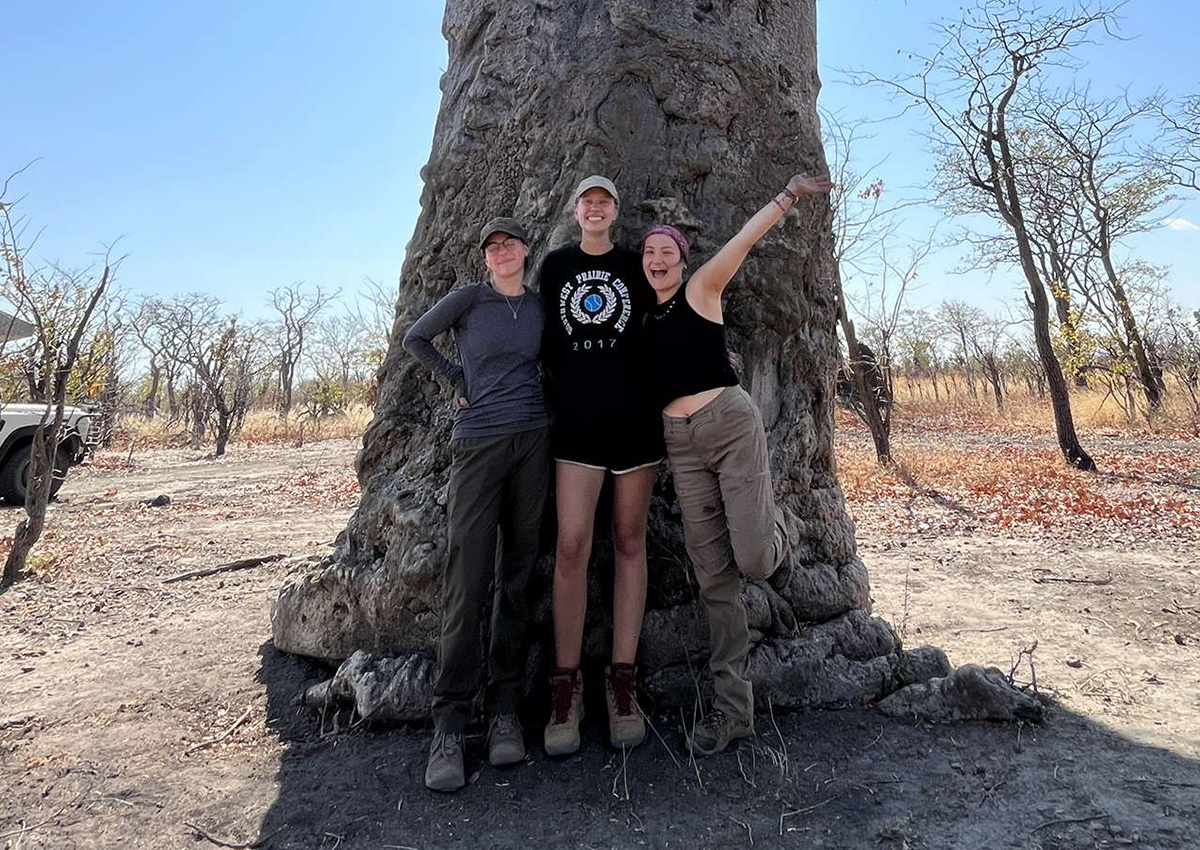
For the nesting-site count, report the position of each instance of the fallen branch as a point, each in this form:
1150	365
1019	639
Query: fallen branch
213	741
1041	576
25	829
1062	821
785	815
243	564
1165	784
249	845
786	764
1029	650
1179	609
646	718
878	738
745	826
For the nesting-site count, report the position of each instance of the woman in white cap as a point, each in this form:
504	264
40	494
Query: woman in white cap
499	477
717	449
597	302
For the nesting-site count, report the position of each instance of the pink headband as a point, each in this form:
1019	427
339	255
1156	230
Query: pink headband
676	237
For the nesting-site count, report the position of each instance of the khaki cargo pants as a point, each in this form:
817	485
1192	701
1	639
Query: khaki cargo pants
718	458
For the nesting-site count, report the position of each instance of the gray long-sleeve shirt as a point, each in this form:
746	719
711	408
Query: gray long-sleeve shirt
498	353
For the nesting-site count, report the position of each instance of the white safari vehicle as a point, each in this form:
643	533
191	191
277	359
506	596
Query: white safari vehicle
17	424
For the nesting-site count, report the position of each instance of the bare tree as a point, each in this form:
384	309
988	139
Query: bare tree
1055	234
988	343
221	355
864	230
340	351
976	87
1181	354
39	294
962	322
375	309
1179	154
152	329
1113	193
298	309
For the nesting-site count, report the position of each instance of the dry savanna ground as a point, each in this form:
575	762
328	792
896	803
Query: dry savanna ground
141	712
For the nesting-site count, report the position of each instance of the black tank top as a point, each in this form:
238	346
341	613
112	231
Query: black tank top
689	351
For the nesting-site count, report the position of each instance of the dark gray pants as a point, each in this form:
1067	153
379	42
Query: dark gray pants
497	485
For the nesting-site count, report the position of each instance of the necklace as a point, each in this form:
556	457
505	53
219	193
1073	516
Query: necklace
517	309
663	310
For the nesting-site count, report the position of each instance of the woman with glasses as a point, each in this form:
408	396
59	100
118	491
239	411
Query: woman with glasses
499	476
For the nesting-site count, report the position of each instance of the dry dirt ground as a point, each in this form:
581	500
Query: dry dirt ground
141	714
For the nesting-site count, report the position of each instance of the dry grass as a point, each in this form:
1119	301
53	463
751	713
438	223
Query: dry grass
261	427
1095	410
267	427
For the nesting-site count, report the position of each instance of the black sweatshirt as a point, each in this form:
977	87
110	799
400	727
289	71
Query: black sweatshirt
594	347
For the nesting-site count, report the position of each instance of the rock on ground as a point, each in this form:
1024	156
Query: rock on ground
969	693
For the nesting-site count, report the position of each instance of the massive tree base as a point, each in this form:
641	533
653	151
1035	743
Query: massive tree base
828	666
851	659
700	112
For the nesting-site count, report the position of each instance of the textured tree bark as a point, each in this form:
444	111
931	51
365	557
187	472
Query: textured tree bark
699	111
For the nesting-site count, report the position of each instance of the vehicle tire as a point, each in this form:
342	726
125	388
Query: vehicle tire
14	476
13	473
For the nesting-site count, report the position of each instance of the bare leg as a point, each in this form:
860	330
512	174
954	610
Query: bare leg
577	490
631	502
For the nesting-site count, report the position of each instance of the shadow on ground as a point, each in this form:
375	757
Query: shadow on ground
849	779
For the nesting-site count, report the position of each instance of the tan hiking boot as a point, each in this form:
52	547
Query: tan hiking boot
566	713
445	769
716	730
626	727
506	744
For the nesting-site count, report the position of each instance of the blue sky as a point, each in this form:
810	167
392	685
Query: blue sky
239	147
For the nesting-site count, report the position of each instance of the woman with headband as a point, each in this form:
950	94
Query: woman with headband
717	449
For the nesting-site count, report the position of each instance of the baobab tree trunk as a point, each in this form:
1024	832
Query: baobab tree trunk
699	112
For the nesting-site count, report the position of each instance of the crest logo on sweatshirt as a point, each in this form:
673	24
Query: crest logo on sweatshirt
596	299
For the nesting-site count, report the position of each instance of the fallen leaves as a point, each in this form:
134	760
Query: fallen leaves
966	482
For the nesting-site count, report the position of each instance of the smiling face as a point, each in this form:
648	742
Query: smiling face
662	264
504	255
596	210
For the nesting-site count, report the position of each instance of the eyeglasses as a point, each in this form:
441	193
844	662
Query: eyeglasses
509	244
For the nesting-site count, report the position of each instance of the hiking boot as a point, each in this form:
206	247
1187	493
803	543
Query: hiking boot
506	744
445	769
626	727
716	730
566	712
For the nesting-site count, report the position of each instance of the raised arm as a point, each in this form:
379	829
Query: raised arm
437	320
712	277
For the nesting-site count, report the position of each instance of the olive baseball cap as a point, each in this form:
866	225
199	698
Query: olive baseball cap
596	181
503	224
